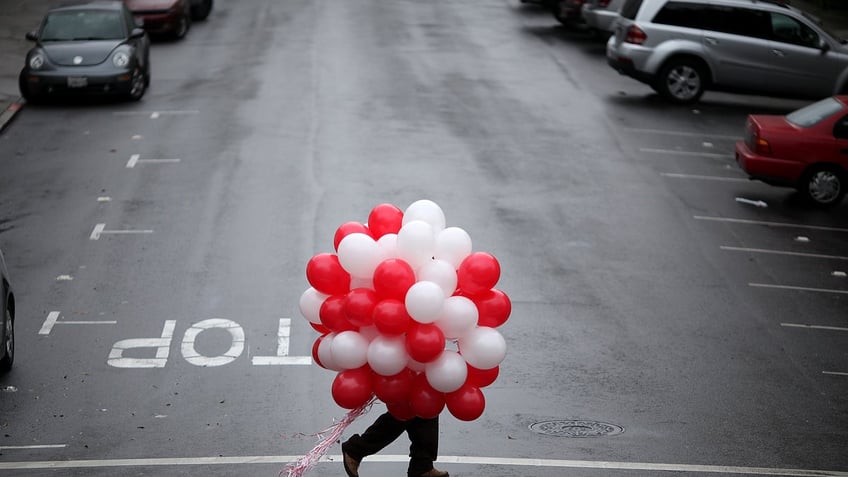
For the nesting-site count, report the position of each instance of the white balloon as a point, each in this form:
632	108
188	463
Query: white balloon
416	243
310	304
325	353
440	272
453	244
387	355
459	316
359	255
447	373
424	301
425	210
387	245
350	350
483	347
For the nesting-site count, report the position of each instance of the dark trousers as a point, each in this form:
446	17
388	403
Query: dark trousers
423	435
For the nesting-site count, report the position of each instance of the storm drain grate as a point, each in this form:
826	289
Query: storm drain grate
576	428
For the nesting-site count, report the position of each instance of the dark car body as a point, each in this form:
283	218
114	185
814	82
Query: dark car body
162	17
7	319
568	12
200	9
93	47
806	149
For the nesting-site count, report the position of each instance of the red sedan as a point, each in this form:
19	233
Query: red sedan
163	17
806	149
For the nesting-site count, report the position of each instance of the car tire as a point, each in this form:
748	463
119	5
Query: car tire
183	27
138	85
201	11
26	92
560	13
9	345
682	81
824	185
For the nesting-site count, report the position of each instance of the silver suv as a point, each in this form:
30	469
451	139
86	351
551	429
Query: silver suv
683	47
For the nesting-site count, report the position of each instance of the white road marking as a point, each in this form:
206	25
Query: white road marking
789	287
135	160
755	203
64	278
162	345
835	373
684	153
705	178
770	224
48	323
681	133
100	229
463	460
154	115
157	113
104	199
42	446
236	346
53	320
282	357
814	327
782	252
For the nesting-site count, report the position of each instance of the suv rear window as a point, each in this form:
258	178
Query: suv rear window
630	9
814	113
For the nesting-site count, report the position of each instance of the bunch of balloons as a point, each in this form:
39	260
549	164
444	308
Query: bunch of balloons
407	312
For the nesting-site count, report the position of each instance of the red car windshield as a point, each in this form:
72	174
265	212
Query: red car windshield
815	113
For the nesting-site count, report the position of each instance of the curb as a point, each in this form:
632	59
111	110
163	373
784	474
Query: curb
10	112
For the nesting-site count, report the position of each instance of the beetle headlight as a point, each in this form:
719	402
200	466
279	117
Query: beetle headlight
36	61
120	59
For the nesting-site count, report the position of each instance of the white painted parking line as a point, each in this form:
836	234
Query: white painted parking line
704	178
790	287
53	320
835	373
770	224
782	252
41	446
156	114
682	133
136	159
100	229
685	153
463	460
814	327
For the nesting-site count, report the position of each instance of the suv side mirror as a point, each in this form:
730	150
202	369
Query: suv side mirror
137	33
31	36
824	46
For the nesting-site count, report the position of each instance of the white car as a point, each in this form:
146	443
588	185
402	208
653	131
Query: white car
600	15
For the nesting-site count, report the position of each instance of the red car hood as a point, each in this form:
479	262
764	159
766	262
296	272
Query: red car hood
142	5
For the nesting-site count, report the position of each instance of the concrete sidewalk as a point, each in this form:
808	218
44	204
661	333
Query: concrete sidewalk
17	17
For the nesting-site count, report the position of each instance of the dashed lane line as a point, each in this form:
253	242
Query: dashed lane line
464	460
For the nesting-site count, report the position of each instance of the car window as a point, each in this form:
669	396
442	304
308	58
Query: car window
630	9
689	15
82	25
840	129
815	113
786	29
737	21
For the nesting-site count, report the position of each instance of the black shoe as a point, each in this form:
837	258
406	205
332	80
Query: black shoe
435	473
351	465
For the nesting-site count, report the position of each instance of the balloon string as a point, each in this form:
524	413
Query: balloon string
328	437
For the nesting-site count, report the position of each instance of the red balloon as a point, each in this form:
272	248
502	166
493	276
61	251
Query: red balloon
425	401
391	317
392	278
359	306
325	274
493	307
481	377
401	411
346	229
332	314
395	388
477	273
466	403
353	387
424	342
320	328
315	351
385	219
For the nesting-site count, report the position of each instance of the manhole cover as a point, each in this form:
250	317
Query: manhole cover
575	428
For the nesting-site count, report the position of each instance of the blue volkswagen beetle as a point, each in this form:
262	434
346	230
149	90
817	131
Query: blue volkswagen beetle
89	47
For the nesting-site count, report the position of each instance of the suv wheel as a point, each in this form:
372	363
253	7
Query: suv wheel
682	81
824	185
9	345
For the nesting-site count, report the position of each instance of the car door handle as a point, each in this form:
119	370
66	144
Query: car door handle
779	53
711	41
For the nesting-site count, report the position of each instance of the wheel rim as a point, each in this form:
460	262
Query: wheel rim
137	84
683	82
10	337
824	186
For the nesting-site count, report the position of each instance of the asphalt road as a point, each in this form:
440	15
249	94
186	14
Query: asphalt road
645	294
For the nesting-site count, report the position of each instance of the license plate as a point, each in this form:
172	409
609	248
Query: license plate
77	81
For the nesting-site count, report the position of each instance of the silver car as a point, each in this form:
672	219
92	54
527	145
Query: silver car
683	47
600	15
7	332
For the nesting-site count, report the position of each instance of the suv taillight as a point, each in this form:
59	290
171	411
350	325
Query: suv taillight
635	35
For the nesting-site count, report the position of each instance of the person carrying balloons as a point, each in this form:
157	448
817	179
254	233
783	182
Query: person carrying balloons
407	315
